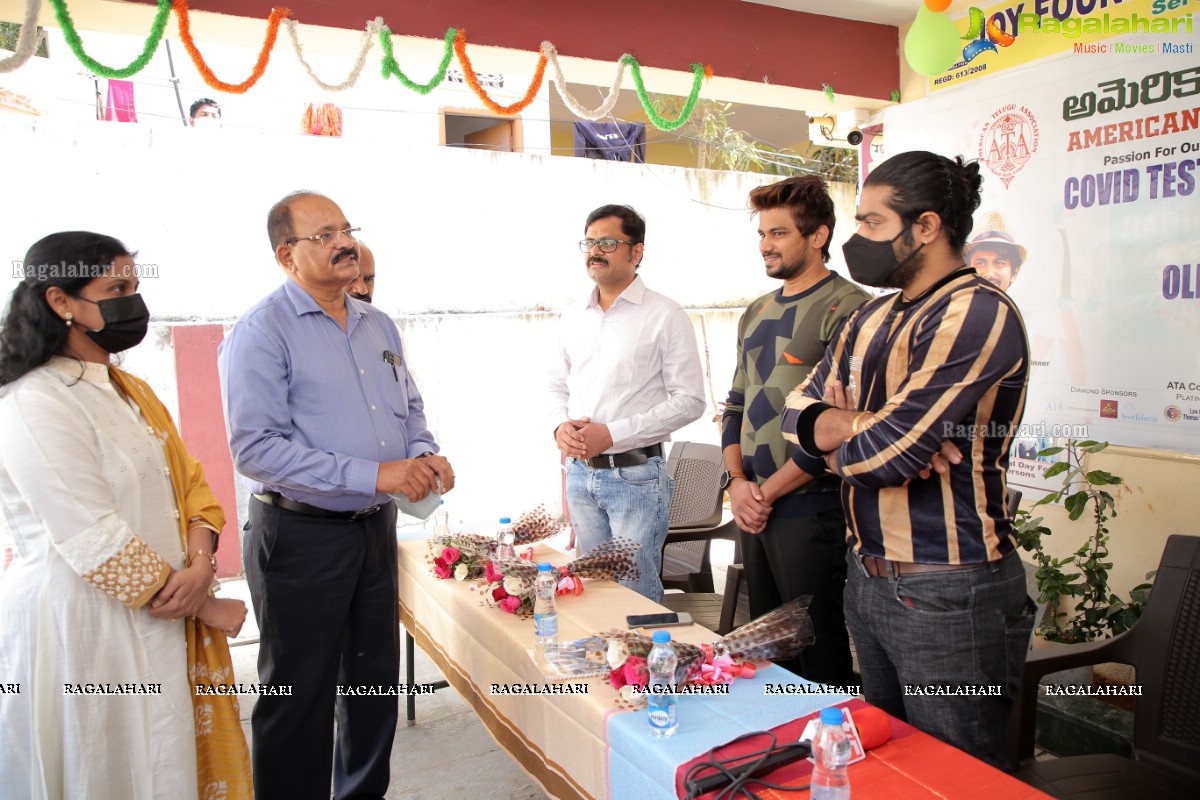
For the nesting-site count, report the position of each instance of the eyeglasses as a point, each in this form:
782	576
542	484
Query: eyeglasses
605	245
326	239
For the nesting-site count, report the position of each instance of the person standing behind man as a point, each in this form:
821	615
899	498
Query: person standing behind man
936	592
793	531
205	113
625	375
363	287
326	422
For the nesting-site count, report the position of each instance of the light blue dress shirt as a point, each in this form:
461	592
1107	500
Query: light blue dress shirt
312	410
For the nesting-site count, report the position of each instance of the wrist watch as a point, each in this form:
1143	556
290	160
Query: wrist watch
727	478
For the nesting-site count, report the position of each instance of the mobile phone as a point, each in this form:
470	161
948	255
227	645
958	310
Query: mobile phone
665	620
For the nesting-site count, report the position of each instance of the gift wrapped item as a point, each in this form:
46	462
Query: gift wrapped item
779	635
460	555
776	636
615	560
534	526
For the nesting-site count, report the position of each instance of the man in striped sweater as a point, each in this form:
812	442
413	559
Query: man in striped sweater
935	597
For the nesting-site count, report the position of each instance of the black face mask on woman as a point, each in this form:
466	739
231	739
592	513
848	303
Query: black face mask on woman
871	263
126	320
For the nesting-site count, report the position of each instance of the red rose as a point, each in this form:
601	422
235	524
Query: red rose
499	594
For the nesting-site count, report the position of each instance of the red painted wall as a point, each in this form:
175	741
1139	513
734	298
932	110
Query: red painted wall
740	40
202	426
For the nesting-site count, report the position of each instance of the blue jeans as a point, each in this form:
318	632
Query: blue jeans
627	502
962	629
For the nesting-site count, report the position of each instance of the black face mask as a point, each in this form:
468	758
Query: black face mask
871	263
126	320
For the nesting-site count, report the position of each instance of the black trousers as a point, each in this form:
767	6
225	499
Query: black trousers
325	597
796	556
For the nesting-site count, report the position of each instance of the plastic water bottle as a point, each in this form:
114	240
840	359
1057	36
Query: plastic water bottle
661	704
832	751
505	539
545	610
441	521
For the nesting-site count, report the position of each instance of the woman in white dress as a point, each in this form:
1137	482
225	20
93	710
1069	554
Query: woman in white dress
94	605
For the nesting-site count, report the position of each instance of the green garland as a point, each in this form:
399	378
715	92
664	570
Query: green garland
390	67
135	66
635	70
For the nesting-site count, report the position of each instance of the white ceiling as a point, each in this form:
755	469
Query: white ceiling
885	12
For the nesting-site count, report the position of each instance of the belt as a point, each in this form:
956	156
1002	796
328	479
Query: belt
882	568
279	501
630	458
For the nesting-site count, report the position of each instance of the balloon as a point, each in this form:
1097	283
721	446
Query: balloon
932	45
937	5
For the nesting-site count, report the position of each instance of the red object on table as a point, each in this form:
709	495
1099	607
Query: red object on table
911	765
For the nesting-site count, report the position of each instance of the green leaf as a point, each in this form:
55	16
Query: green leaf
1051	451
1076	504
1092	447
1101	478
1057	469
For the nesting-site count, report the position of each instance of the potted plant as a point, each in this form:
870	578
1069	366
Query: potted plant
1083	575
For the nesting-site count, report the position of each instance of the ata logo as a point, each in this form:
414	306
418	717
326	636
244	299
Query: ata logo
1173	413
1108	409
1008	141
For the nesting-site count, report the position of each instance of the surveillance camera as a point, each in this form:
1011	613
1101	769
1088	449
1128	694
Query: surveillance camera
854	137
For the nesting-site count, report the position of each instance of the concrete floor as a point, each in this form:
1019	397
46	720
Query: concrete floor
422	768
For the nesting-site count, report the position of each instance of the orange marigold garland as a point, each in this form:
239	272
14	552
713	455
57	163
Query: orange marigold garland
278	15
460	47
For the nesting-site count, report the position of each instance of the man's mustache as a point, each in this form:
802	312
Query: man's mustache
341	254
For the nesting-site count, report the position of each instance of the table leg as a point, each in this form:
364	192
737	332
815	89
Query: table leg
410	679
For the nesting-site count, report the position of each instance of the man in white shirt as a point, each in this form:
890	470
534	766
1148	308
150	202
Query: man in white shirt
626	373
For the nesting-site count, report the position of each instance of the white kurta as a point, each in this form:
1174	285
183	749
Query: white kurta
81	473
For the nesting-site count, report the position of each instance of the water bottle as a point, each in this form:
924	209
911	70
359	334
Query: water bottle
441	521
545	610
831	750
661	699
505	539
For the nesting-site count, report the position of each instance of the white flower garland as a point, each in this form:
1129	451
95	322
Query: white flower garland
373	28
29	39
610	99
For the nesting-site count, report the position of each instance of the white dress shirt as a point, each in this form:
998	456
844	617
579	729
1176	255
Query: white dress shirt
635	367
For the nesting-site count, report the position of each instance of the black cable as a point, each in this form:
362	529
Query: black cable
739	771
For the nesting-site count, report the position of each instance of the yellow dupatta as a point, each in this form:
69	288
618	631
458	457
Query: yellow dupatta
222	757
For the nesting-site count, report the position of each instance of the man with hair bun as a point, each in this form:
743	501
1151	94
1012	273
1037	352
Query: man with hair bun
793	531
915	406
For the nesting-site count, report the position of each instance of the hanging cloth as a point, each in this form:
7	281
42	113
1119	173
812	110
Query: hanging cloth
611	141
119	107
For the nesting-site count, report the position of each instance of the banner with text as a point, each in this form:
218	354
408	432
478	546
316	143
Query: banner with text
1088	220
1002	36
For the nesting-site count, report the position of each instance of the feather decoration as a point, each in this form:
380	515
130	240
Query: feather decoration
778	635
615	560
534	526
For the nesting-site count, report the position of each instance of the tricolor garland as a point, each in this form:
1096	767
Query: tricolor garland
455	44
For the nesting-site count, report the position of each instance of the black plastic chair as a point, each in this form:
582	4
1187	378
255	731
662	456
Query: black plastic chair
1164	648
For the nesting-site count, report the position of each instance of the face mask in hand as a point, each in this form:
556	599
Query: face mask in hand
422	509
126	320
871	263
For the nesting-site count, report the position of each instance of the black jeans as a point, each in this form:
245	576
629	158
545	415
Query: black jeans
944	650
325	597
795	556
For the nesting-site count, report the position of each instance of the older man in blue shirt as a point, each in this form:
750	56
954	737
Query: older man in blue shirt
326	422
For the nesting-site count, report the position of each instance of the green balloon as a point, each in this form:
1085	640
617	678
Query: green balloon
932	45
